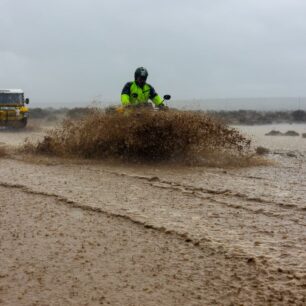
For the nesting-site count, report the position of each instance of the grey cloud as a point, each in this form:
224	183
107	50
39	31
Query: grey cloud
72	51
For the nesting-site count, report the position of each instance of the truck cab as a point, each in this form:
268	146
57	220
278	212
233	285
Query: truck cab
13	110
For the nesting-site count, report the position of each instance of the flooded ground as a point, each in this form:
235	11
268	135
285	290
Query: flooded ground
294	143
77	232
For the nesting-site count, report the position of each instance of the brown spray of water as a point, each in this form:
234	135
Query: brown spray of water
3	152
145	136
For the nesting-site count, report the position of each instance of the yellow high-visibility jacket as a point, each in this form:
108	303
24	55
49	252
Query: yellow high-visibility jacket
132	94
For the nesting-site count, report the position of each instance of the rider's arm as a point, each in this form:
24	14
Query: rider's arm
125	94
157	100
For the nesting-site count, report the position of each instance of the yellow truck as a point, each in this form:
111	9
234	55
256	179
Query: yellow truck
13	110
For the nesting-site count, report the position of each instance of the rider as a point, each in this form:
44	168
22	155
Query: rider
138	93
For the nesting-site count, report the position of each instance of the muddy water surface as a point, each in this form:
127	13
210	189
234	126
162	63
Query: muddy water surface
155	235
294	143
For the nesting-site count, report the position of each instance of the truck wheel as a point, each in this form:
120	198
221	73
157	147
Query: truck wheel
23	123
20	124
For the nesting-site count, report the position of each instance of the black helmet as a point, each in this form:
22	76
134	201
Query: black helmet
141	72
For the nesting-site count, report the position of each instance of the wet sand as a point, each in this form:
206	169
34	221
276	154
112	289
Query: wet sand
96	233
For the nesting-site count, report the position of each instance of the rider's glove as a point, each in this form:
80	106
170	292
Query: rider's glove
163	107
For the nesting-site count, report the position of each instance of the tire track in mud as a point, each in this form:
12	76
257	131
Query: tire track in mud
256	274
184	275
85	207
201	243
216	195
196	242
225	197
197	220
209	194
181	235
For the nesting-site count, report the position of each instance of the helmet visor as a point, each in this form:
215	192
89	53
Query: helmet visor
142	78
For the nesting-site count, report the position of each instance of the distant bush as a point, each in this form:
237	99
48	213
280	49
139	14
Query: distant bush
278	133
77	112
299	116
274	133
291	133
48	114
251	117
262	150
245	117
39	113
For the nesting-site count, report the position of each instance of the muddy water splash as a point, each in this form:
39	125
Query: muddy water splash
3	151
143	135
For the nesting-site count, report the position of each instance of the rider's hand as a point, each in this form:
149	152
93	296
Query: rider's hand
163	107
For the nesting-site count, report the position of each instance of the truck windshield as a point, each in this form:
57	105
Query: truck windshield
11	98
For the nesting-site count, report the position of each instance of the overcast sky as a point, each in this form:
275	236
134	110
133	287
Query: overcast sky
74	51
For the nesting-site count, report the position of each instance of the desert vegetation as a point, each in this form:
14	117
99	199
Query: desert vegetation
251	117
245	117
